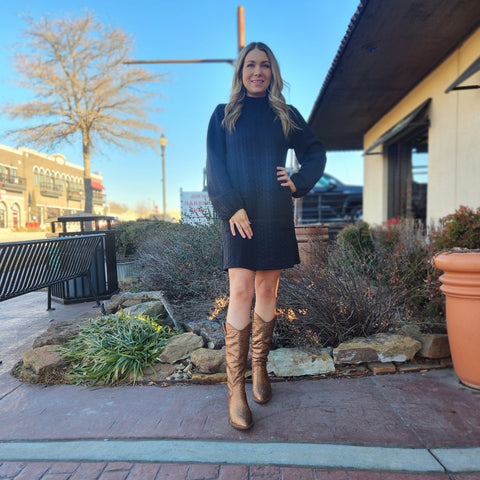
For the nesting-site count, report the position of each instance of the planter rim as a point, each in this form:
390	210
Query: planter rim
462	260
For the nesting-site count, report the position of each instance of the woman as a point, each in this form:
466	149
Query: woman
251	192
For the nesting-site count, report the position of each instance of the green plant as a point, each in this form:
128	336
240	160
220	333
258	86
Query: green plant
130	235
356	242
108	350
460	229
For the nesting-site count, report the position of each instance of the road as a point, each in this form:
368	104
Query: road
6	235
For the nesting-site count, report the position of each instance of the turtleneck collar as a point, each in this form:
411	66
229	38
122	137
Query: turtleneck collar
257	101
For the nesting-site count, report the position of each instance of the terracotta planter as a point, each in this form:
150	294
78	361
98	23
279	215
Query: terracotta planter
461	286
309	237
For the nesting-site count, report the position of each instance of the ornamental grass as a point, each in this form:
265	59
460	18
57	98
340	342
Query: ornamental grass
114	349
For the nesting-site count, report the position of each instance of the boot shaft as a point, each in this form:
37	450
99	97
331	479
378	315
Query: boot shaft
261	339
237	343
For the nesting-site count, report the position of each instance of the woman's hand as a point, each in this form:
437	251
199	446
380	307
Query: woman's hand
282	176
240	220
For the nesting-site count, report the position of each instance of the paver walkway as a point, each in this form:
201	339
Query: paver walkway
405	426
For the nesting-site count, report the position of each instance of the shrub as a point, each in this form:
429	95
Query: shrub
330	301
405	263
129	236
371	280
460	229
112	347
185	261
356	242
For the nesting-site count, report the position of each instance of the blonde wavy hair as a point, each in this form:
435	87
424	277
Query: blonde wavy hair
233	109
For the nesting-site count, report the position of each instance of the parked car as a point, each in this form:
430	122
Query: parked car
330	200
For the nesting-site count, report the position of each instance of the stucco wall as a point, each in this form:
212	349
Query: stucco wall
453	140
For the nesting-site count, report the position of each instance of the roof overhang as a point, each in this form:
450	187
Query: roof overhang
471	70
389	47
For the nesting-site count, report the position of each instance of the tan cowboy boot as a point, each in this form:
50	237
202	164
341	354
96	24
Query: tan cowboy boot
261	341
237	343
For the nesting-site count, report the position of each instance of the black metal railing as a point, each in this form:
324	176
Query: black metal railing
35	264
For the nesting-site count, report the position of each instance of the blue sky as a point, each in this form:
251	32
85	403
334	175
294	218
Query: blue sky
303	34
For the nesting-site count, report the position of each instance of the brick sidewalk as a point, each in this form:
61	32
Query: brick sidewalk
423	411
162	471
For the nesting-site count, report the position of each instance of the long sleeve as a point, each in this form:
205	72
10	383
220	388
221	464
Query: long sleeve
310	155
225	199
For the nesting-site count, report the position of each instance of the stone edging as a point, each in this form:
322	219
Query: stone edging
185	359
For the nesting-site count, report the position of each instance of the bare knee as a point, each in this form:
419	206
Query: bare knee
242	286
266	288
241	292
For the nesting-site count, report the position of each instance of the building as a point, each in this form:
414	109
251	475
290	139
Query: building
35	187
404	88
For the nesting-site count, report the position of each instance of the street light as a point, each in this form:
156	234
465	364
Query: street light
163	144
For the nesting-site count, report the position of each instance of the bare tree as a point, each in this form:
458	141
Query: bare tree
82	89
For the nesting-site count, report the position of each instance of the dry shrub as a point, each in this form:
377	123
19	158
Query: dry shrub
372	280
405	264
185	262
328	301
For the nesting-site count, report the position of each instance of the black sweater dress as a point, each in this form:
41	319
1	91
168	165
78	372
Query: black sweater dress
242	173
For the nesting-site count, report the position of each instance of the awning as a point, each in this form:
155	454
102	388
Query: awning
97	185
471	70
389	48
417	118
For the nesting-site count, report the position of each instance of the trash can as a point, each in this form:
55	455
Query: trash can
103	271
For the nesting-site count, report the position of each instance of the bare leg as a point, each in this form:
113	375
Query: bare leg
266	288
242	284
237	339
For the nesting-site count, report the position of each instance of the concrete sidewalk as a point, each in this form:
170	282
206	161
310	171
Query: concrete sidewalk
404	426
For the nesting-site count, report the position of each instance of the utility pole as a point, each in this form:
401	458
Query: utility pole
240	44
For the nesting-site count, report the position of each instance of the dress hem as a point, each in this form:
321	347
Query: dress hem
284	267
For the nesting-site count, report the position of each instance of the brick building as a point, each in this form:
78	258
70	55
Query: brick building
35	187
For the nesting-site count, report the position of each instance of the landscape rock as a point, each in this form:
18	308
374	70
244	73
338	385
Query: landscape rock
411	367
209	361
409	330
180	347
42	359
151	308
434	345
214	377
293	362
382	347
211	331
379	368
159	372
129	299
61	332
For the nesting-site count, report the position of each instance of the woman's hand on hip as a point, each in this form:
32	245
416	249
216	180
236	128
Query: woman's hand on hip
242	223
282	176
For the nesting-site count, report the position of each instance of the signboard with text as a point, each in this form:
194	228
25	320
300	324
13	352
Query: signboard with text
196	207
